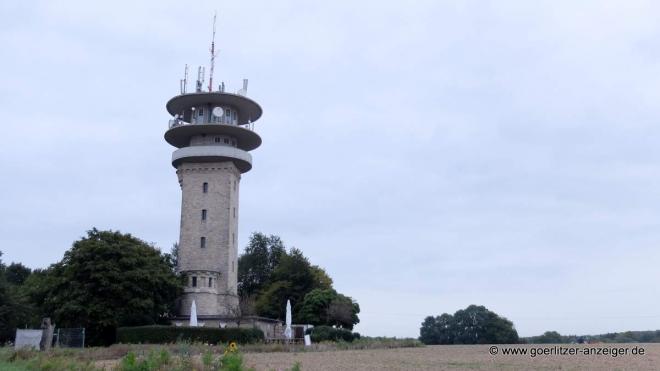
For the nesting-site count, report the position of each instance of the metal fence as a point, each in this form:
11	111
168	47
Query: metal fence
69	337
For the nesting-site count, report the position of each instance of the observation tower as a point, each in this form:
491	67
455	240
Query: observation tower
213	132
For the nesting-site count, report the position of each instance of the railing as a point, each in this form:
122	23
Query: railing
178	122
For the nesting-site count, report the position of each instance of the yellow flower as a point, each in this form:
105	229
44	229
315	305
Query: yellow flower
233	347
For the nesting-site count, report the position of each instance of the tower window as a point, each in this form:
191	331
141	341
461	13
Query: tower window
226	141
233	142
205	187
234	212
228	113
232	265
200	113
194	281
202	242
234	185
210	281
217	139
204	214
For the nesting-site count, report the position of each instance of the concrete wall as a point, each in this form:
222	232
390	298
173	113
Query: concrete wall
210	140
219	258
194	117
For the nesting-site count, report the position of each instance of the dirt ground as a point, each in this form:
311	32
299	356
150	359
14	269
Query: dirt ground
457	357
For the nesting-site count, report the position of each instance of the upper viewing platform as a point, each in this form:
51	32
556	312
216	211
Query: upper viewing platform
215	107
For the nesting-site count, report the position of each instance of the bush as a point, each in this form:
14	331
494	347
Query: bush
172	334
327	333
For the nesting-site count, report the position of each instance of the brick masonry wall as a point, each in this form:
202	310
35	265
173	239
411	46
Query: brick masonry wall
219	258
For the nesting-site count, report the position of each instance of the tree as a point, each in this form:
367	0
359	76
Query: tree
257	264
14	311
32	295
268	276
272	302
314	309
247	304
437	330
174	255
325	307
549	337
343	312
292	279
7	311
428	331
472	325
321	278
109	279
7	306
477	325
17	273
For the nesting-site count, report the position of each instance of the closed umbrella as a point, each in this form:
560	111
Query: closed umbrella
287	331
193	315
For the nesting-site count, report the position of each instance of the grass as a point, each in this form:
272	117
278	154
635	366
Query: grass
25	359
328	346
381	354
177	356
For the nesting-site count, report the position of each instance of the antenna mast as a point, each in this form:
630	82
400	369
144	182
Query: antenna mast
200	79
212	55
184	82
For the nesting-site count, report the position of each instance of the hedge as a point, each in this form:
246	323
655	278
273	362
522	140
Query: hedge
327	333
172	334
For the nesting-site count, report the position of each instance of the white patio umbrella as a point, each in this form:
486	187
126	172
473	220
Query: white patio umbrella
287	331
193	314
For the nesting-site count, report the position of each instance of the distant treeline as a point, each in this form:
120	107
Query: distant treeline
553	337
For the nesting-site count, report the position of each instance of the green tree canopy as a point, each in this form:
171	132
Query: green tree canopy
314	309
343	312
15	309
268	275
17	273
257	264
108	279
7	321
550	337
321	278
472	325
291	279
437	330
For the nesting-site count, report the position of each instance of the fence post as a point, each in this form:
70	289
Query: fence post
83	340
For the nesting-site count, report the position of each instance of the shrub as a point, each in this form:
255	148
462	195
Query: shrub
172	334
327	333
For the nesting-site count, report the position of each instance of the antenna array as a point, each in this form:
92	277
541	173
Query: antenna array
200	78
184	81
201	71
212	55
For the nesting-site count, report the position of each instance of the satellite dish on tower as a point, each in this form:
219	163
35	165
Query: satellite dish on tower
218	112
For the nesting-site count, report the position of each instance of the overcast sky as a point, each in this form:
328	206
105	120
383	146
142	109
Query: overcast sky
429	155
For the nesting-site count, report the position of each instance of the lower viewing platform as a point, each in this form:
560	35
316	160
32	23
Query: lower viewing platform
240	158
